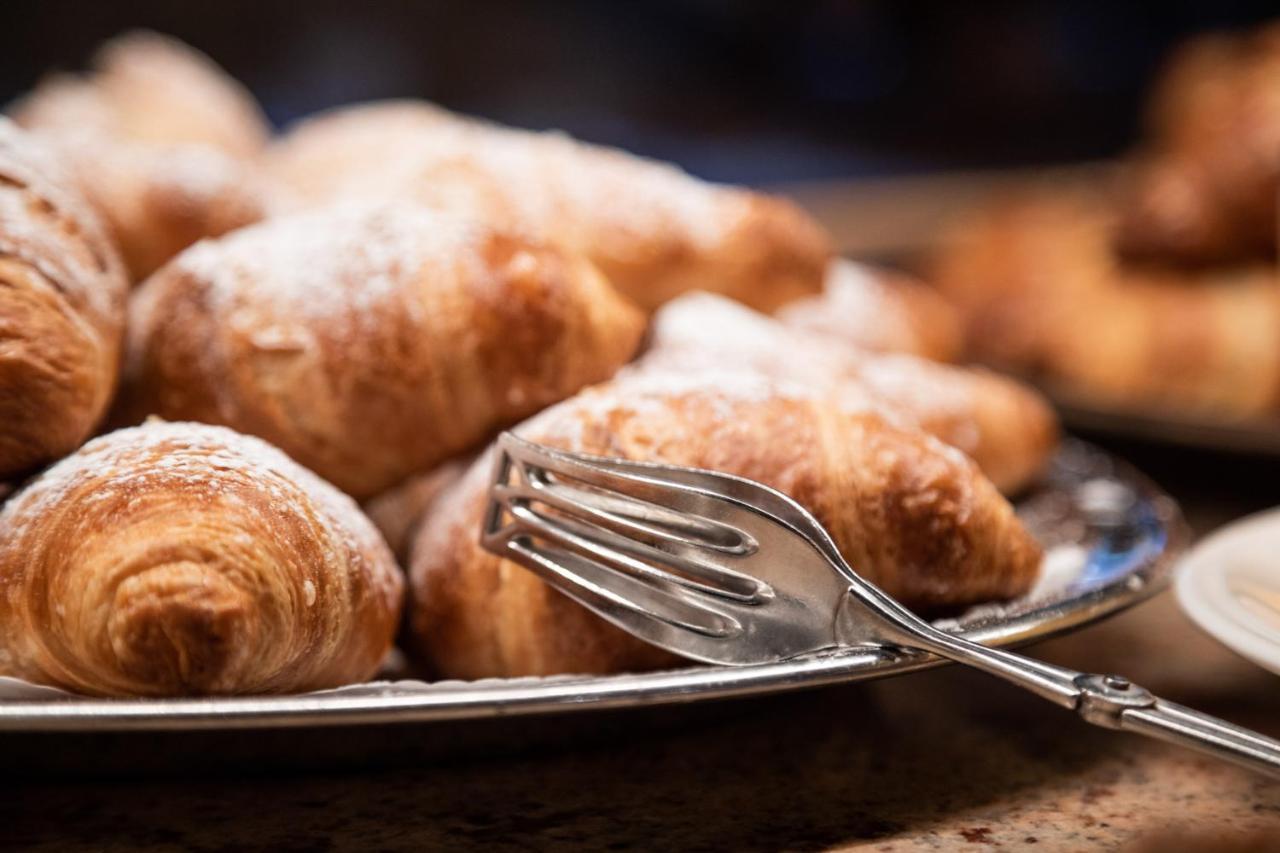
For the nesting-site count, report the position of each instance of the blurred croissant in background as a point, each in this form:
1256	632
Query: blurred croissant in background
654	231
1205	187
160	140
1158	288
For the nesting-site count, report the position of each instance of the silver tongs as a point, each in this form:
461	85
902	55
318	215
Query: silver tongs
725	570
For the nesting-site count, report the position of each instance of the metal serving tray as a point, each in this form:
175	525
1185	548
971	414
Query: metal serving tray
1111	538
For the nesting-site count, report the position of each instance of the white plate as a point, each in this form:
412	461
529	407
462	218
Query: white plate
1230	585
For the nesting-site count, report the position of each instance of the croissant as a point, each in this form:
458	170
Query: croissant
158	200
62	293
879	311
1205	188
177	559
1007	428
370	341
1040	273
654	231
910	513
159	140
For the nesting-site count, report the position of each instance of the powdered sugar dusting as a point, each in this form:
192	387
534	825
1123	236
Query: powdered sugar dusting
701	327
919	385
702	330
645	392
206	459
856	305
333	263
547	184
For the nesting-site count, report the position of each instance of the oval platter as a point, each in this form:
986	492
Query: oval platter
1111	538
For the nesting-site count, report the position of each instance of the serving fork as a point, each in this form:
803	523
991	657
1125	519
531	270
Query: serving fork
722	569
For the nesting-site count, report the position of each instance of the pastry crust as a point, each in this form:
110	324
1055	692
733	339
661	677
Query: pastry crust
62	294
911	514
880	311
182	559
160	140
654	231
371	341
1006	427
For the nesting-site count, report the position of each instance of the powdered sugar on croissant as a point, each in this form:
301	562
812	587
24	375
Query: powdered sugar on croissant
371	341
653	230
1007	428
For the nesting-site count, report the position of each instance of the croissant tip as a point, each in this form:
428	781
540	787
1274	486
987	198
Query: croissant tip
180	629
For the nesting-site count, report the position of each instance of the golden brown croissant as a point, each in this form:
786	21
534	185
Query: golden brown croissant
62	293
158	138
910	513
181	559
1205	190
1008	429
370	341
880	311
654	231
1045	294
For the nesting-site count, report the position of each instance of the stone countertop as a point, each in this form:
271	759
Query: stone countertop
943	760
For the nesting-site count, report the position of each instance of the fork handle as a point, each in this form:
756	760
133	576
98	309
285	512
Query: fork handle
1048	681
1171	722
1112	702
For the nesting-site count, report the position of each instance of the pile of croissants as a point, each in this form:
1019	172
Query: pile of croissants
1155	288
247	382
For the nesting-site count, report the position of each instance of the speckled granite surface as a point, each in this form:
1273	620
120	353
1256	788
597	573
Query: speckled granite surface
941	760
945	760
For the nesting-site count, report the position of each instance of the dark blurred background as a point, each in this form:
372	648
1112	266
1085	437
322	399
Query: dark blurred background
743	91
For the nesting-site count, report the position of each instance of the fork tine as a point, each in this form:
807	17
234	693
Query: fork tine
683	491
649	521
662	552
639	559
617	506
618	523
635	481
632	604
